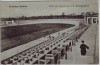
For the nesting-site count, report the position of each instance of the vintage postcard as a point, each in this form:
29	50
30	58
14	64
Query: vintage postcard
61	32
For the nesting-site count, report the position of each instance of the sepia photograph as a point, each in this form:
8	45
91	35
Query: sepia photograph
64	32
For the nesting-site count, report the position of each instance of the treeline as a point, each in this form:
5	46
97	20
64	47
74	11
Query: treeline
44	17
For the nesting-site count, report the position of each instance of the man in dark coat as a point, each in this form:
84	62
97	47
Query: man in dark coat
83	48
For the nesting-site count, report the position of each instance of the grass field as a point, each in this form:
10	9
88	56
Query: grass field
13	36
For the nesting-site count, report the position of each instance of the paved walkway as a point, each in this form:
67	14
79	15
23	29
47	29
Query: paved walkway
75	56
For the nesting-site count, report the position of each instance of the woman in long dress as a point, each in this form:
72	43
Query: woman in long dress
83	48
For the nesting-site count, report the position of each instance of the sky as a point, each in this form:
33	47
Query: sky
46	8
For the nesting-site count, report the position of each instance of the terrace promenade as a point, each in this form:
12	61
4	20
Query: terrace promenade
90	38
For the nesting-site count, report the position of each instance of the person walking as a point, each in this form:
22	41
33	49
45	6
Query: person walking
83	48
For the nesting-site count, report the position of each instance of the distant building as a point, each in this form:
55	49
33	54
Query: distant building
9	22
91	19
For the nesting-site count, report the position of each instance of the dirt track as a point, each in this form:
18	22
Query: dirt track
27	33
